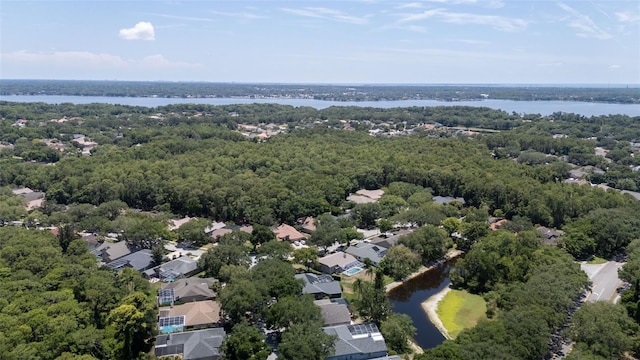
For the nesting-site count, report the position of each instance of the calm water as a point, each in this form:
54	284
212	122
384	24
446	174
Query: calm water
408	298
520	107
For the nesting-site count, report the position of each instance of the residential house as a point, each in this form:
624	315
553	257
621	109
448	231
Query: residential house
550	236
362	251
139	260
320	286
92	240
183	266
194	315
187	290
390	241
34	199
289	233
357	342
336	262
175	224
447	199
308	225
334	311
215	234
497	224
109	251
193	345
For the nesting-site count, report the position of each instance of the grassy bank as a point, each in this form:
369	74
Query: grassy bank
459	310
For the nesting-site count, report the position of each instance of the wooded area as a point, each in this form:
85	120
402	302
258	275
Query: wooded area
149	165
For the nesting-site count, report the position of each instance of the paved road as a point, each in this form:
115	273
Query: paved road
605	281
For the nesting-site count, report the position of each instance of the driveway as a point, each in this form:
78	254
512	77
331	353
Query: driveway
605	281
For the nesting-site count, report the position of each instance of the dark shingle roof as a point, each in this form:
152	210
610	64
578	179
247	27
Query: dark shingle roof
319	284
194	345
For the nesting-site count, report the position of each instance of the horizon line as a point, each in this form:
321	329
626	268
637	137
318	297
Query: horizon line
600	85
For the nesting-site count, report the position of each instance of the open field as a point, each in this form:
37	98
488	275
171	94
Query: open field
459	310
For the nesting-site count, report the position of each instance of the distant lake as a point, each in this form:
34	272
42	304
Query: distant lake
519	107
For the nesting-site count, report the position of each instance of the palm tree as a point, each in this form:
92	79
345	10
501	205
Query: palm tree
369	266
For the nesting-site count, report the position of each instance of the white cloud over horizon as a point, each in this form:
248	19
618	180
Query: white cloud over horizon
495	21
140	31
86	59
586	26
327	14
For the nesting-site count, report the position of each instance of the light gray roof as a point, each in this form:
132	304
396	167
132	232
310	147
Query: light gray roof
194	345
112	251
319	284
174	268
447	199
139	260
371	251
339	258
334	312
357	339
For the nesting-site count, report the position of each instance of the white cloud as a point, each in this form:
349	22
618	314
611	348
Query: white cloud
587	28
628	17
85	59
141	31
474	42
328	14
495	4
186	18
241	16
614	66
498	22
452	1
412	5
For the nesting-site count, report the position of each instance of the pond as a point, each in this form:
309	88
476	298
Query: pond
408	298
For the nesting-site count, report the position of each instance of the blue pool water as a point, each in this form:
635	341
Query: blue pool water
352	271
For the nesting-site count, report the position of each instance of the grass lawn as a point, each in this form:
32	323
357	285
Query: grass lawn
597	260
460	310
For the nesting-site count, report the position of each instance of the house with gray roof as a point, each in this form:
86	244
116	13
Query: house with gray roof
188	290
336	262
109	251
392	240
362	251
139	260
174	269
443	200
192	345
334	311
357	342
320	286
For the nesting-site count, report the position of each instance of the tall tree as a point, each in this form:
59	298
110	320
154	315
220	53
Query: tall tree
245	342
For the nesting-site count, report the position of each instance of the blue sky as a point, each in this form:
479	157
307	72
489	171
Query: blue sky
369	41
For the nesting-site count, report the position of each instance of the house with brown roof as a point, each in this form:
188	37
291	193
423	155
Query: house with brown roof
496	225
289	233
308	225
197	315
188	290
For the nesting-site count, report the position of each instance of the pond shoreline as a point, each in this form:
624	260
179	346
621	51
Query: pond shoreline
430	306
450	255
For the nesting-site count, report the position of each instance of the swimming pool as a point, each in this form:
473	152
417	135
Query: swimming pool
352	271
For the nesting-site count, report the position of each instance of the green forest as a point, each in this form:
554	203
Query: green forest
360	92
148	165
